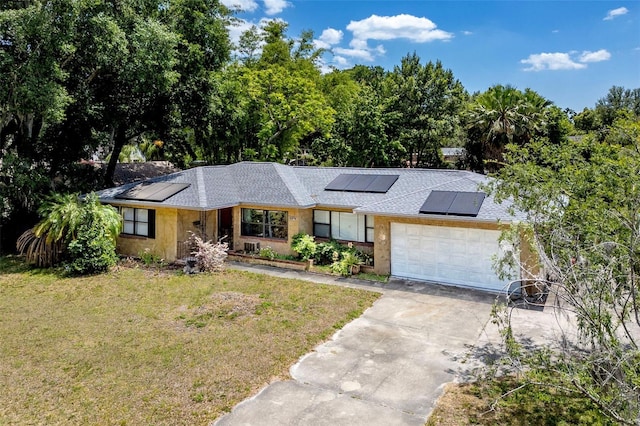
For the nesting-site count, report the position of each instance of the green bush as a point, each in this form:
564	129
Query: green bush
304	245
92	251
149	258
347	260
267	252
327	252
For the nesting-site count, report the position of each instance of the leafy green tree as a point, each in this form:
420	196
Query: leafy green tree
424	105
582	206
34	42
617	100
500	116
289	106
203	50
276	100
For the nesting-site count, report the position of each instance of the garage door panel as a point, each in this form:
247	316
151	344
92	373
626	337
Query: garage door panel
461	256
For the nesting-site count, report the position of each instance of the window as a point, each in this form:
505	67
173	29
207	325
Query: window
264	223
138	222
369	234
343	226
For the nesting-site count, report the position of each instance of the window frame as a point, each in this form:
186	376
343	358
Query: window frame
136	222
364	224
267	228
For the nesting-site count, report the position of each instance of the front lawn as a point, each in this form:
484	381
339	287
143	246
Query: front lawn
136	346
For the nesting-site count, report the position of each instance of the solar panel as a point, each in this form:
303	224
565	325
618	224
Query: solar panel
453	203
467	204
155	191
340	183
438	202
382	183
362	183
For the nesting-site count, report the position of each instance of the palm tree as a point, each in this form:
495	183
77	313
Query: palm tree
503	115
63	215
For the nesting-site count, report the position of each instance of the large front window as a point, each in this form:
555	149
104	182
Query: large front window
264	223
342	226
138	222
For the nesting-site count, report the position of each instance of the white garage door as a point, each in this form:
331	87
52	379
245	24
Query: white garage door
447	255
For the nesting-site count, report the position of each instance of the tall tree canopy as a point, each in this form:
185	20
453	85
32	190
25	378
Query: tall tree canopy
502	115
425	102
80	78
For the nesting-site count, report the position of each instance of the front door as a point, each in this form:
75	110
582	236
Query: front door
225	226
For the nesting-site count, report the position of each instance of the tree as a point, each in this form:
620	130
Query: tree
277	101
500	116
582	206
289	106
616	100
34	42
424	105
83	229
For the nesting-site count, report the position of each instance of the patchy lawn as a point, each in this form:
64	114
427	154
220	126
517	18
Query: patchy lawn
480	404
141	347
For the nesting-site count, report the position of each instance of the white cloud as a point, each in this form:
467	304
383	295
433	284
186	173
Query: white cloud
362	54
419	30
246	5
273	7
340	61
598	56
613	13
237	27
412	28
467	33
328	38
551	61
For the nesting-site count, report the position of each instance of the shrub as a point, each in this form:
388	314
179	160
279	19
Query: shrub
327	251
149	258
82	230
209	256
268	253
304	245
344	264
92	251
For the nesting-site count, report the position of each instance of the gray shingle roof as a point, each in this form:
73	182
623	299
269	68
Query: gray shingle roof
277	185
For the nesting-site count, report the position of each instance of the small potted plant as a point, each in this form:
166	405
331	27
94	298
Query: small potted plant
349	264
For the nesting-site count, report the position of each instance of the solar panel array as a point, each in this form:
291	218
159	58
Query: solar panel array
156	191
453	203
362	183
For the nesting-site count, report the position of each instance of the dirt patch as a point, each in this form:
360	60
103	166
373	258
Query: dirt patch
458	405
228	305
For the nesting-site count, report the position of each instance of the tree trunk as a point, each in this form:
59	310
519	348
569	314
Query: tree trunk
119	141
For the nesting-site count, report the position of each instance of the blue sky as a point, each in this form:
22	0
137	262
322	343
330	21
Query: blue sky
570	52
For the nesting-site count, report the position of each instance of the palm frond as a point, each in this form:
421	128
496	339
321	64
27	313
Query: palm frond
38	250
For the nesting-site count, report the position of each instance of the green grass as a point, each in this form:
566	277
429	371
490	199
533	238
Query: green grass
481	403
137	346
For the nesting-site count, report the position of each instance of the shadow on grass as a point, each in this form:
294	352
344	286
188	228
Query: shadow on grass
14	264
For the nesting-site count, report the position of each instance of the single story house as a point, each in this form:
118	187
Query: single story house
433	225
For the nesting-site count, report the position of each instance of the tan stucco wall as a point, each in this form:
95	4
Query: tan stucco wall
305	221
382	236
163	245
186	219
294	220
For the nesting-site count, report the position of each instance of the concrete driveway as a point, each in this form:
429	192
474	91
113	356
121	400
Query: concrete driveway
387	367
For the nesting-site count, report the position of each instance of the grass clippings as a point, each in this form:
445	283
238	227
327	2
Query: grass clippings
133	347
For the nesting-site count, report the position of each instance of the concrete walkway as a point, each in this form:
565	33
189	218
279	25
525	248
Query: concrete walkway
387	367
